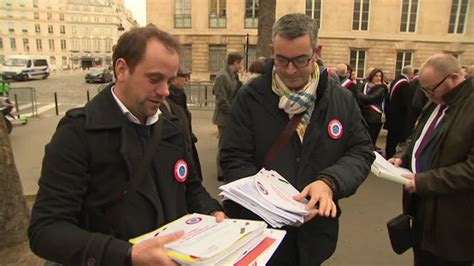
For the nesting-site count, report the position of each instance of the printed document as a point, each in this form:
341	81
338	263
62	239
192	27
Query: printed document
382	168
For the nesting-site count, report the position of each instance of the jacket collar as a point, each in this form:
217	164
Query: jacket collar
103	111
461	91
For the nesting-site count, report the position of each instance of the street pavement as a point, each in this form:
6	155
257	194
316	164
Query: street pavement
363	238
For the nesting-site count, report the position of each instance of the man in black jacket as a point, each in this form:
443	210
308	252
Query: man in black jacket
117	169
398	111
328	156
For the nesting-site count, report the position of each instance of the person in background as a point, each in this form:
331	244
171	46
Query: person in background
326	157
225	88
118	167
255	70
469	71
397	110
372	99
178	100
441	156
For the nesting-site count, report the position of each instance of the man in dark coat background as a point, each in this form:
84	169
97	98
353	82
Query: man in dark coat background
397	111
225	86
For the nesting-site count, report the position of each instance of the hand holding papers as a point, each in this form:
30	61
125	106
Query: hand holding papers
268	195
382	168
207	242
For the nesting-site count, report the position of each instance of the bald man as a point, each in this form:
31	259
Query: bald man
441	156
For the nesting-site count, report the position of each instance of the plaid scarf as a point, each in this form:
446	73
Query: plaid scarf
295	102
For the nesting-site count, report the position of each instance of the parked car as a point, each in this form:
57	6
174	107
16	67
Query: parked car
99	74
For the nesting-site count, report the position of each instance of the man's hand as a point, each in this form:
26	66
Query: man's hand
318	191
411	186
220	216
395	161
152	251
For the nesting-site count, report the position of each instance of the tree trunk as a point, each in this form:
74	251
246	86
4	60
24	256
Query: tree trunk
14	213
266	18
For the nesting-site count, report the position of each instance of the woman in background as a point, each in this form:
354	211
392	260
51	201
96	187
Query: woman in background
372	99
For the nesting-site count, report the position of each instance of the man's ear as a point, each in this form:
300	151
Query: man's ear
318	51
121	69
271	50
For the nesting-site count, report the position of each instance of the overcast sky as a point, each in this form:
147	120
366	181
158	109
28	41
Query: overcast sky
138	8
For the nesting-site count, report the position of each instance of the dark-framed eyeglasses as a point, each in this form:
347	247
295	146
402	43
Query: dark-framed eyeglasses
430	92
299	61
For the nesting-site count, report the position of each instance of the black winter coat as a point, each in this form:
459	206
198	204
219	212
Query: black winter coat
90	203
254	124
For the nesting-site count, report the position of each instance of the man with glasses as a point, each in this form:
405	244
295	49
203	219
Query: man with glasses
326	157
441	156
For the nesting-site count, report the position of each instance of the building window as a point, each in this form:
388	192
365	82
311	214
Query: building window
360	20
251	13
409	13
62	29
217	57
24	28
8	2
1	43
63	45
36	15
86	45
108	44
50	29
186	57
26	45
37	28
217	14
74	30
358	61
458	16
403	59
11	27
182	14
313	9
49	15
22	3
97	45
75	44
35	3
39	45
61	16
51	45
12	43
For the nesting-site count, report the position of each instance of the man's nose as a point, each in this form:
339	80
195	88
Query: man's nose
290	68
162	89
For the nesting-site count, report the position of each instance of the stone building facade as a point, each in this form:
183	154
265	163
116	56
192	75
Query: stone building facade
386	34
72	33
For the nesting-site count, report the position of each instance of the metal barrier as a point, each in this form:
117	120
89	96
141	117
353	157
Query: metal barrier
199	95
24	99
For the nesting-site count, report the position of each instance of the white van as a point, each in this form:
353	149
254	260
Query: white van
25	67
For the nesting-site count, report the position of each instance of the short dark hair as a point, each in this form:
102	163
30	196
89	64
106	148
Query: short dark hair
234	57
132	44
256	67
295	25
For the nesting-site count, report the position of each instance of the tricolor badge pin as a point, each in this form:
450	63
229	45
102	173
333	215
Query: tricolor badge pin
181	171
335	129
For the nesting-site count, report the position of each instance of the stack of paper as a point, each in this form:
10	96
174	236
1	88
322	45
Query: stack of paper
268	195
382	168
230	242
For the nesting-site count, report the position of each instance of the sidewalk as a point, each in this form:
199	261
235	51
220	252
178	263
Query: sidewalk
363	238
